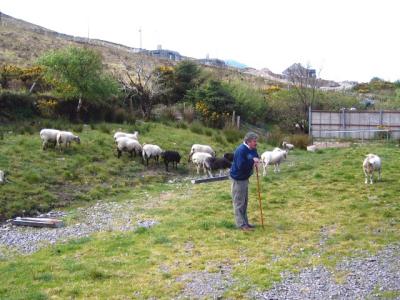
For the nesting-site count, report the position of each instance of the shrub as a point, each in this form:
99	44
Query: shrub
120	115
208	132
232	135
181	124
78	128
105	128
189	114
196	127
300	141
220	139
275	136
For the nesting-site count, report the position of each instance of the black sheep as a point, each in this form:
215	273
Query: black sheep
171	156
229	156
216	163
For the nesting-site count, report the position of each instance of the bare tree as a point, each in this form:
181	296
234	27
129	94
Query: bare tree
305	82
142	88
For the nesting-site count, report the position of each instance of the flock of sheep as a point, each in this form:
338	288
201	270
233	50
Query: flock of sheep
202	156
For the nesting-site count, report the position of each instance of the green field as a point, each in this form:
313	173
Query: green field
317	211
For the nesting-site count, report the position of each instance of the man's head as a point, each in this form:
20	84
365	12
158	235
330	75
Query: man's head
251	139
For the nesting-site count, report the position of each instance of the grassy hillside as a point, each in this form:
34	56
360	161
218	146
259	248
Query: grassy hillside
89	171
317	211
22	43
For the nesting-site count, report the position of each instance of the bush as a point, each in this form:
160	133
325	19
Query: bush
189	114
196	127
181	124
208	132
15	106
120	115
275	136
105	128
220	139
300	141
232	135
78	128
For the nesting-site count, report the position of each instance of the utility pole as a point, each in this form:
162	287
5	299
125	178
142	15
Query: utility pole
140	38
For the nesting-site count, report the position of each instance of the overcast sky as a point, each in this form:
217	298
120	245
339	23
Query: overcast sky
341	39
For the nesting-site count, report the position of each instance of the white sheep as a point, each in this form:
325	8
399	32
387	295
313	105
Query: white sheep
2	177
372	163
149	151
201	148
66	137
48	136
199	158
134	135
287	146
125	144
274	157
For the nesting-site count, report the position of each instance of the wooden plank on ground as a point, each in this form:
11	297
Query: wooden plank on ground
210	179
38	222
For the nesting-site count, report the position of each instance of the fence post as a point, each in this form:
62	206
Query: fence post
309	124
233	118
238	122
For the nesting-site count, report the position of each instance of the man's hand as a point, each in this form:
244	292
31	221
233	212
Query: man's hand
256	160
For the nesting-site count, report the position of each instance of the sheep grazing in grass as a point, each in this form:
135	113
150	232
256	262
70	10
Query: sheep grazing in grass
119	134
125	144
274	157
371	164
2	177
48	137
201	148
65	138
151	151
198	159
287	146
216	163
171	156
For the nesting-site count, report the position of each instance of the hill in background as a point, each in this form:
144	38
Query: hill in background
23	42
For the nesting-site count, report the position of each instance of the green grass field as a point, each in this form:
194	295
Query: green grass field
317	210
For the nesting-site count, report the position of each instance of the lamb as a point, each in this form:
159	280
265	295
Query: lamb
171	156
274	157
125	144
229	156
149	151
216	163
201	148
66	137
287	146
48	136
198	158
372	163
134	135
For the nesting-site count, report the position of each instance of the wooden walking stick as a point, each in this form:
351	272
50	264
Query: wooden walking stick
259	197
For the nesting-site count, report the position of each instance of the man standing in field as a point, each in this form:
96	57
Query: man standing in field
245	158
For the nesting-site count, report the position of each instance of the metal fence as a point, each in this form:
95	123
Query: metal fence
354	124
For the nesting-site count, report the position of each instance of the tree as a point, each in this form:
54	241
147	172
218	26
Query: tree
185	78
142	89
213	102
305	83
77	75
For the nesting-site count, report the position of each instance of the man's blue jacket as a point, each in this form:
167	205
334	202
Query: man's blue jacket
242	166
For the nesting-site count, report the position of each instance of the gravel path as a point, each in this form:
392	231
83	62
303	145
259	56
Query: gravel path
103	216
367	278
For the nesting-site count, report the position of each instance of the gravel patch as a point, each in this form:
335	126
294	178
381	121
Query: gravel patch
363	278
103	216
206	285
